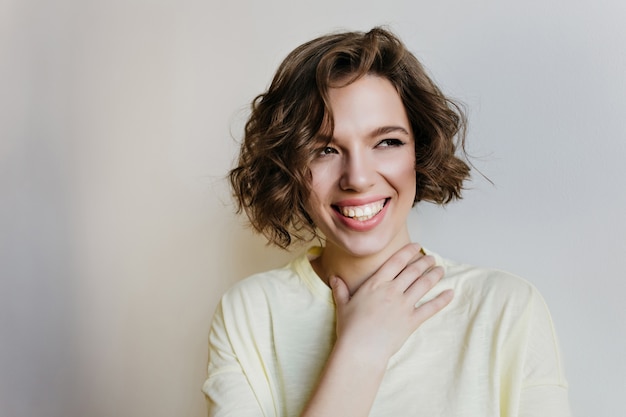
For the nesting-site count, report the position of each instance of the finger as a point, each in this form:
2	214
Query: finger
397	262
432	307
341	294
414	271
424	283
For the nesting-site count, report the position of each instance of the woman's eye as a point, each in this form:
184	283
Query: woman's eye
327	150
385	143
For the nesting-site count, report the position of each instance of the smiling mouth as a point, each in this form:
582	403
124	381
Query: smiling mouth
361	213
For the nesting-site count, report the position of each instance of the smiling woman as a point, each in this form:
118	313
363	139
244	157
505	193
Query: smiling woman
349	136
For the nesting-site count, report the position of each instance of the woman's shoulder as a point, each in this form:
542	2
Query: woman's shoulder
250	299
262	282
275	296
487	283
495	296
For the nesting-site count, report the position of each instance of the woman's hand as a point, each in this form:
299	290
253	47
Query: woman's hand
380	316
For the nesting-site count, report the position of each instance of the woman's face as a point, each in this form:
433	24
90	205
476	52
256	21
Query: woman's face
363	182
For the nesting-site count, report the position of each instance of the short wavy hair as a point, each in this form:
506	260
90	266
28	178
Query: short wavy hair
291	121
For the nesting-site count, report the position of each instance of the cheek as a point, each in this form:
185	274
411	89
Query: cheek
402	171
403	174
409	174
322	178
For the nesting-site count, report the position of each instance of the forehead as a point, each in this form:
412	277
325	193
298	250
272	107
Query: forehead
369	103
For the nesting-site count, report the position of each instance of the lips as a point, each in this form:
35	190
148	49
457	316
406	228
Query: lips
362	212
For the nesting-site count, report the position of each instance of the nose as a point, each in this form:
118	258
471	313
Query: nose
357	173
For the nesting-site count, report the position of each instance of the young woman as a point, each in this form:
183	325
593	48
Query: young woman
349	136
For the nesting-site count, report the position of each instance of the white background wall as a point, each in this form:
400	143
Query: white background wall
116	229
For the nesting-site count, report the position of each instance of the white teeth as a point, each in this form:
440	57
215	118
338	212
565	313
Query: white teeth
362	213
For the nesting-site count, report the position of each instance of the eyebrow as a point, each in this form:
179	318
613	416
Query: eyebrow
383	130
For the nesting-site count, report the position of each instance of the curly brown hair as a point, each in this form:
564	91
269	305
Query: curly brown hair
291	121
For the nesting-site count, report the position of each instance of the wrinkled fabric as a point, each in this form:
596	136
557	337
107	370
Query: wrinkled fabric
491	352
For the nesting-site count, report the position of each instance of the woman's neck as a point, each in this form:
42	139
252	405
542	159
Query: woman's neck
353	269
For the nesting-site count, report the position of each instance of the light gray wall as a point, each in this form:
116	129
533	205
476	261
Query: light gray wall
116	228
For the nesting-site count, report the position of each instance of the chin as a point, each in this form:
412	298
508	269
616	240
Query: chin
364	247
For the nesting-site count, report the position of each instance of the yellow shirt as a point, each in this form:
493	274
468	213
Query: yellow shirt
491	352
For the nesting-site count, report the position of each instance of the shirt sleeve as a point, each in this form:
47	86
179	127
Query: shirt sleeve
544	389
227	389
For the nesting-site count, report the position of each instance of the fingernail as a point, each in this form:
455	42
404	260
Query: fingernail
332	281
